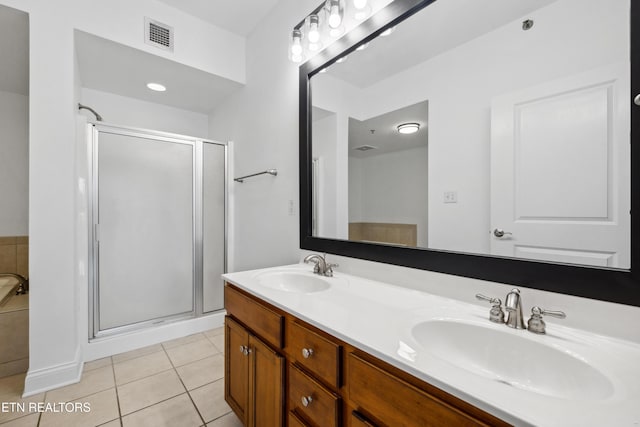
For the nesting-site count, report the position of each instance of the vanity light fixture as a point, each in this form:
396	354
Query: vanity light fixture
157	87
408	128
327	22
336	13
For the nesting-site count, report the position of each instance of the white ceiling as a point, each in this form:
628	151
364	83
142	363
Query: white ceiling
443	25
385	136
14	51
101	68
237	16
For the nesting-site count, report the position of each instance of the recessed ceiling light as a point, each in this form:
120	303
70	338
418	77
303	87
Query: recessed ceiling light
408	128
388	31
157	87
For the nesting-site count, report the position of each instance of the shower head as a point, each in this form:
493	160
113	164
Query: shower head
84	107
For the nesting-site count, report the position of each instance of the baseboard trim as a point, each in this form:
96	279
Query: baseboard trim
41	380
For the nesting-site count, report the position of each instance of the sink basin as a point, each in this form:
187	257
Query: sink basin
293	282
513	358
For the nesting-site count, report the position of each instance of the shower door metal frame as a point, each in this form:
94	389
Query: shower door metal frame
93	130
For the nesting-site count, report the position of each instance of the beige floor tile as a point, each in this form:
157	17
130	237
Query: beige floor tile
214	332
229	420
136	353
103	408
92	382
201	372
177	411
209	400
148	391
95	364
28	421
114	423
140	367
183	340
11	389
218	342
191	352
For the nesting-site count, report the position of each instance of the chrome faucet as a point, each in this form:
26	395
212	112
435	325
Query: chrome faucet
322	267
513	306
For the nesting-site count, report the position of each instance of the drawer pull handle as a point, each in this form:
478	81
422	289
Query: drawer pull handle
306	401
307	353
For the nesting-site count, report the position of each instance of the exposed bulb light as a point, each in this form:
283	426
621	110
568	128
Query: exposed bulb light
156	87
335	14
362	46
408	128
360	4
296	42
388	31
314	32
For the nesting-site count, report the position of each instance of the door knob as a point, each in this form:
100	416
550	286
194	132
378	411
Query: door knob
498	232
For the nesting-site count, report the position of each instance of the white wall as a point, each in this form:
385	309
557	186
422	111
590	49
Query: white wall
393	188
121	110
262	121
54	337
14	164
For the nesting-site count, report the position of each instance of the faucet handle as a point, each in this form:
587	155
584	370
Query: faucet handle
495	314
329	269
536	324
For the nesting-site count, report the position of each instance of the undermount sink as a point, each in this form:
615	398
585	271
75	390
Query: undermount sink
510	357
289	281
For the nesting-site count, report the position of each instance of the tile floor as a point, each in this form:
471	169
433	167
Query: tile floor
177	383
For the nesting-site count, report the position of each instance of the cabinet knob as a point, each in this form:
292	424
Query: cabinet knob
307	353
245	350
306	401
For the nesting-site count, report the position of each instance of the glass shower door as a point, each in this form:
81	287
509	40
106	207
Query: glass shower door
145	231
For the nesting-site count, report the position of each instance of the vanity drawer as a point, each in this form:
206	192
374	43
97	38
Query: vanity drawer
265	322
316	353
322	407
295	421
395	402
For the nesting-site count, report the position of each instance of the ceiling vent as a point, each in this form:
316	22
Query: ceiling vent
365	148
158	34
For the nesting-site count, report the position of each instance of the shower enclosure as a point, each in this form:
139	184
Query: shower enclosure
157	228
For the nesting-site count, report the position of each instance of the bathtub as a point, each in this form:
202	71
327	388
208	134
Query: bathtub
8	287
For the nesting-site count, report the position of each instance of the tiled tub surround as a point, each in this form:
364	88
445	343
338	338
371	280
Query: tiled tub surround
175	383
377	318
14	335
14	311
14	255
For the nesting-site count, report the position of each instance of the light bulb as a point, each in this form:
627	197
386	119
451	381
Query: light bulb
296	43
314	32
335	17
360	4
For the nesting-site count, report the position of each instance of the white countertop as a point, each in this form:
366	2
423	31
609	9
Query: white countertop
378	318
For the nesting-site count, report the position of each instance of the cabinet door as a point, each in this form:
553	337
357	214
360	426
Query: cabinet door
266	383
236	379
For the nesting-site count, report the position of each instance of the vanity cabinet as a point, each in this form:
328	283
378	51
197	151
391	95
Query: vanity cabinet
327	382
254	372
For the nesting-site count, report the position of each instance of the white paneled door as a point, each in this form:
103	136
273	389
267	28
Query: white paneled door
560	165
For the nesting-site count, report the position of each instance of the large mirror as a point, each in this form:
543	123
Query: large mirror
465	135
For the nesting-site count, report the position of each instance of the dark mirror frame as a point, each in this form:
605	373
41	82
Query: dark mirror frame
621	286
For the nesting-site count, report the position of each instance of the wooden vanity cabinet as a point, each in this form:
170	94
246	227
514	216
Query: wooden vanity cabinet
327	382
